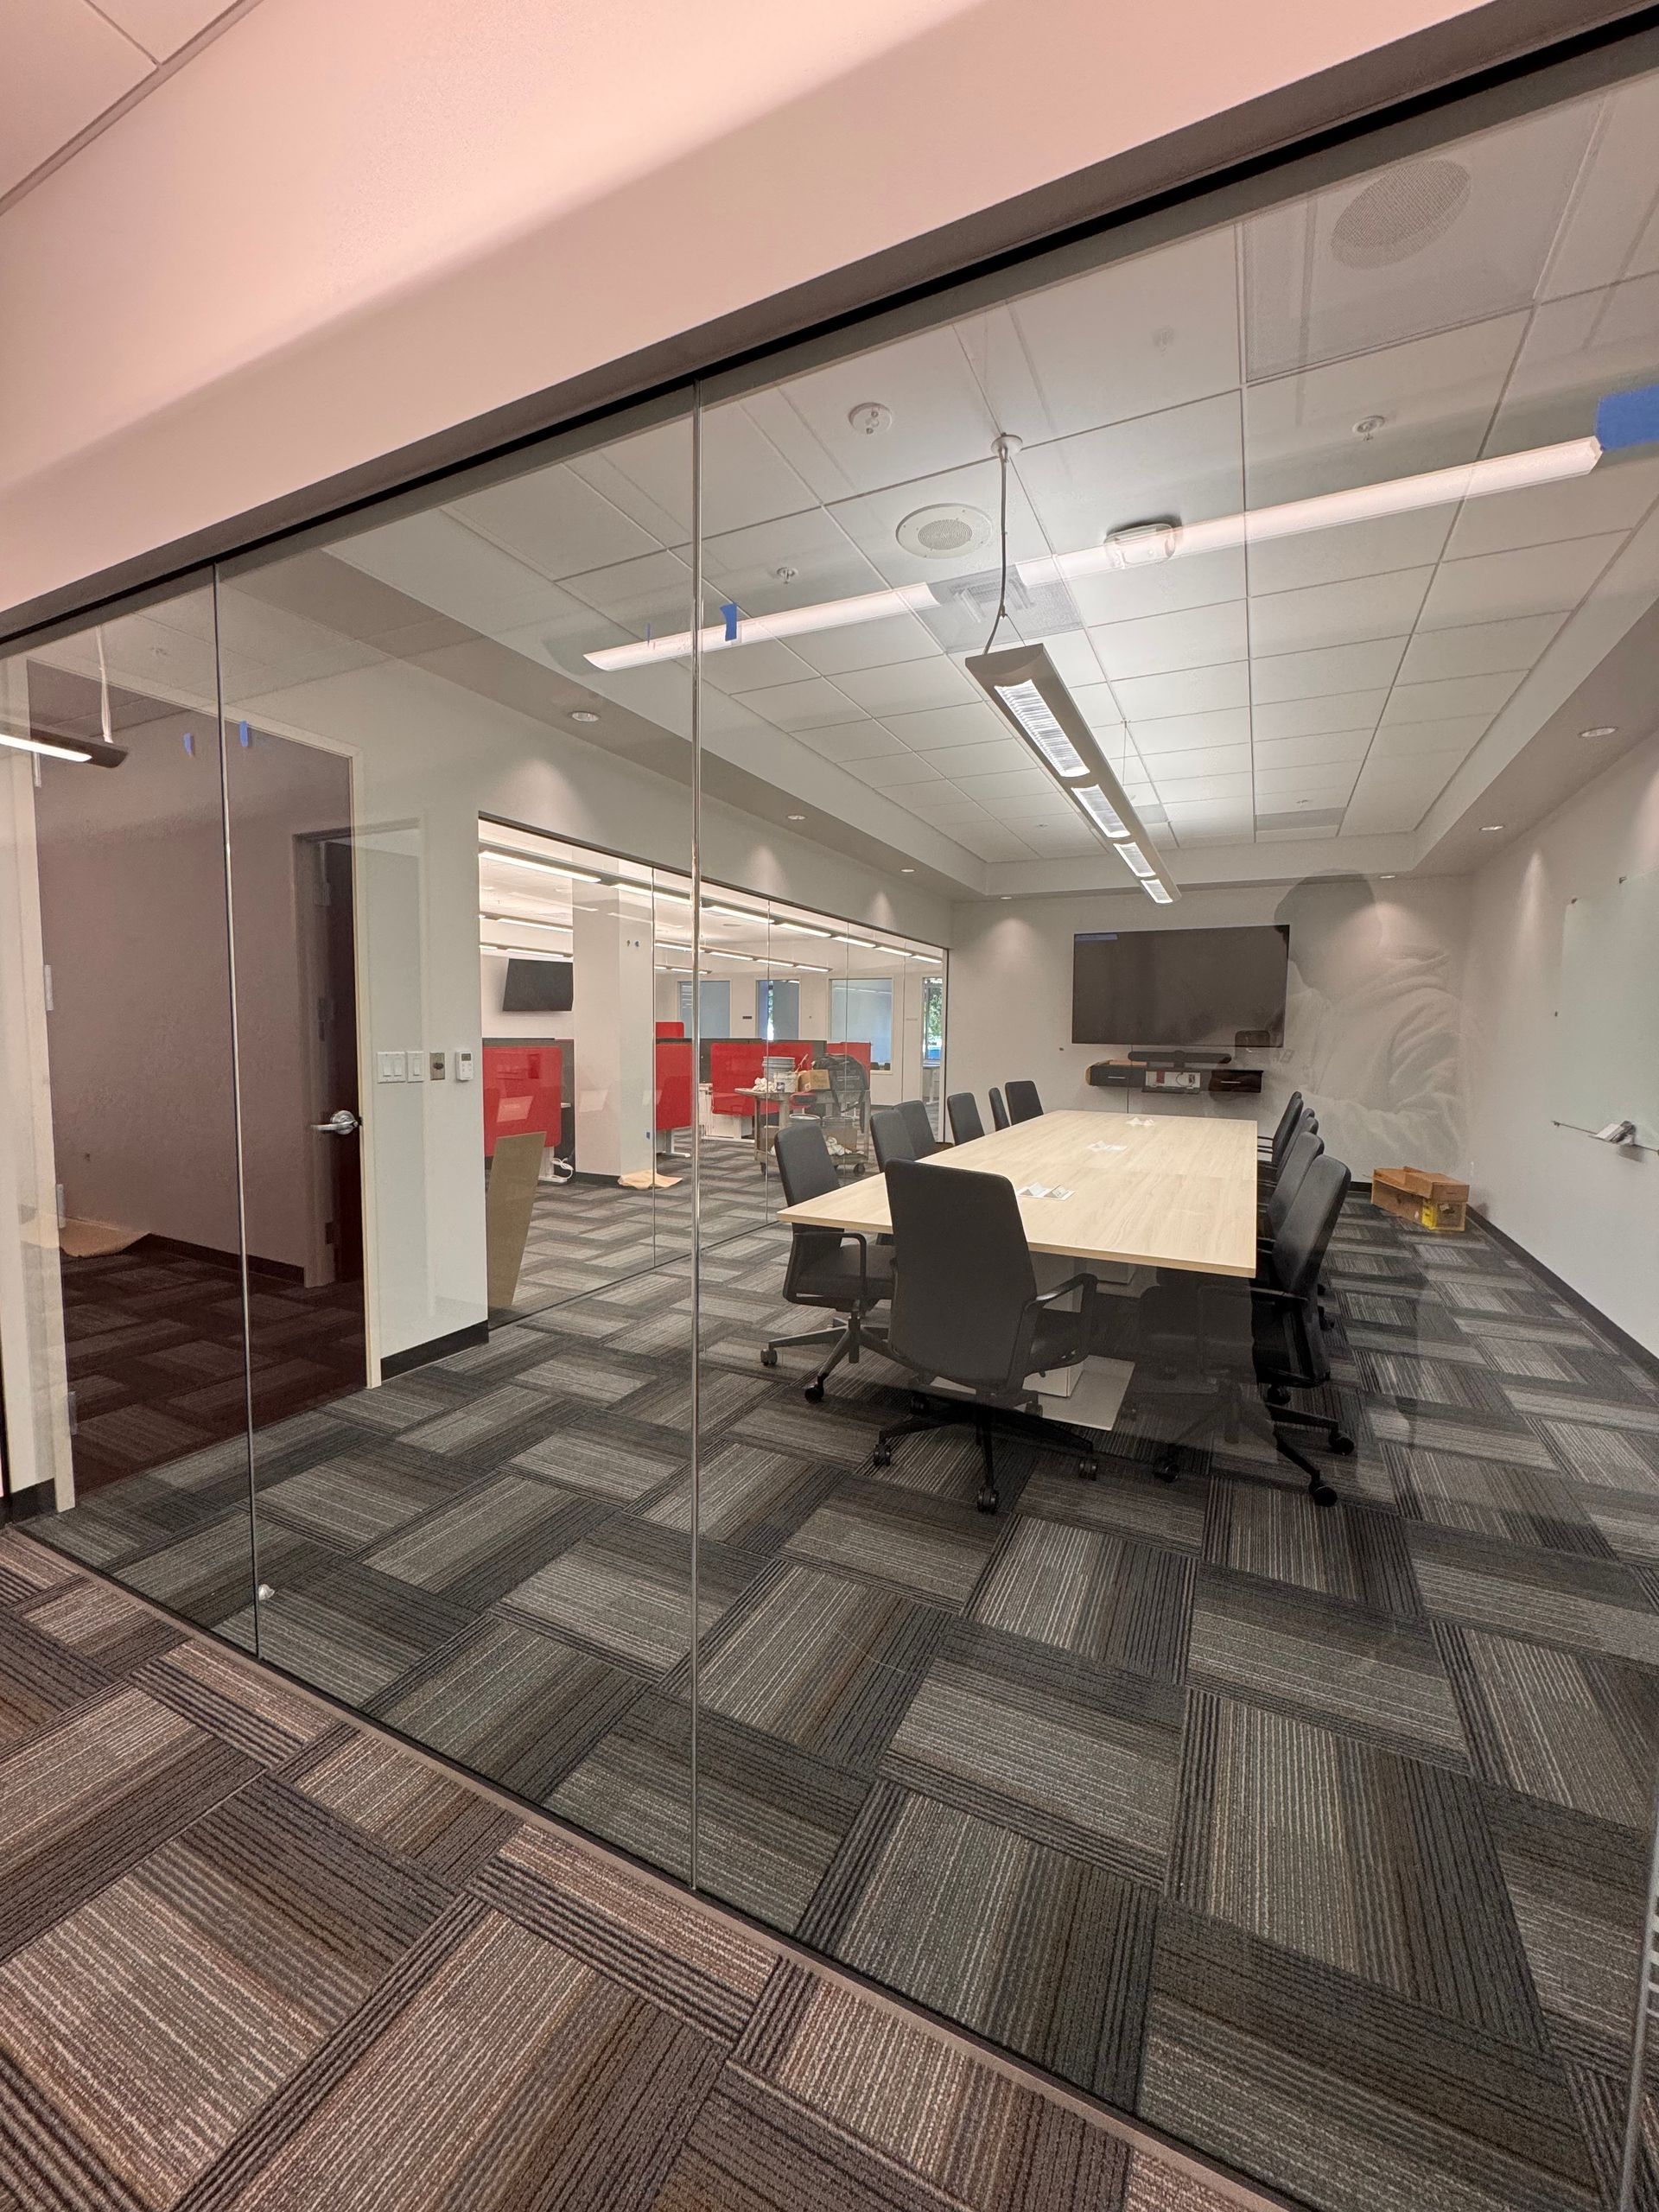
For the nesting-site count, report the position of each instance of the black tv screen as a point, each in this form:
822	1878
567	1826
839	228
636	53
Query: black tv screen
1218	989
539	987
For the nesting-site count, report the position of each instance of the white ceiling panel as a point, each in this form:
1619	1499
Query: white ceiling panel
849	741
1160	644
930	731
1615	496
1003	754
1187	733
1611	228
1183	463
1312	754
1194	691
1131	339
554	523
1531	580
788	561
1164	588
992	791
654	590
1167	768
1097	703
745	479
867	644
735	669
902	768
1357	549
162	26
1075	659
1324	712
1408	740
1277	788
909	687
64	64
440	564
939	417
1334	670
1177	791
995	844
1337	614
1478	648
799	706
871	520
1452	699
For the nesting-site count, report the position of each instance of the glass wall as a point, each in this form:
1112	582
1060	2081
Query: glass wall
957	1240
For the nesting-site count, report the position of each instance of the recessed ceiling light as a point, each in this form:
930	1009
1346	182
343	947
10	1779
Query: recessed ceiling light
583	714
1490	829
1601	729
906	871
1007	895
794	817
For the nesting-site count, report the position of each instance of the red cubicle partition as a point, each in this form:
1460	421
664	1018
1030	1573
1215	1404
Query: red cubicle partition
734	1065
674	1088
523	1086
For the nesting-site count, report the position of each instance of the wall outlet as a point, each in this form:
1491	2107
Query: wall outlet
435	1067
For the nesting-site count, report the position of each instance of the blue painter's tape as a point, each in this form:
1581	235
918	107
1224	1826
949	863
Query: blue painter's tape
1629	418
730	613
244	736
190	743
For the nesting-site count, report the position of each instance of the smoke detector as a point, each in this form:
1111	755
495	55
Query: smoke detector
1400	212
944	533
870	418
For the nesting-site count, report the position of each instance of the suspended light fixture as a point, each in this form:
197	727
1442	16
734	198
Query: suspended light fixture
547	868
1624	419
65	748
1023	685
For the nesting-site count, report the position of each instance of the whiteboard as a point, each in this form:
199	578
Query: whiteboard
1607	1014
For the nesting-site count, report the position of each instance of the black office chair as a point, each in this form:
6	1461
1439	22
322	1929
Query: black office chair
1269	1333
919	1122
963	1108
966	1308
1300	1157
890	1134
834	1267
1274	1147
1024	1104
1267	1169
999	1111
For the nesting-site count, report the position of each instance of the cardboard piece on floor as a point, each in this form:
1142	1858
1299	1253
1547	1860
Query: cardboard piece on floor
646	1178
96	1240
509	1198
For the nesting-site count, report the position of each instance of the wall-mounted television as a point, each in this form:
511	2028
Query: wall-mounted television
1216	988
539	987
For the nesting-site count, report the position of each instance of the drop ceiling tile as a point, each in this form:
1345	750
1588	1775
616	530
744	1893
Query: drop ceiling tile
1334	747
939	417
872	521
1135	337
1166	768
1611	228
1529	580
1004	753
1184	733
1167	587
737	669
788	560
798	706
654	590
867	644
1162	645
1478	648
992	791
995	844
1177	791
1325	673
937	727
1193	691
64	65
1097	703
889	773
1615	496
1280	788
1354	549
162	26
745	479
1075	659
1376	815
1424	774
1183	462
1337	614
438	561
1402	741
554	523
1327	711
909	687
1449	699
849	741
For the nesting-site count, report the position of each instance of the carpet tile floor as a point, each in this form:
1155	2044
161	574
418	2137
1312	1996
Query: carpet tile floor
256	1957
1316	1839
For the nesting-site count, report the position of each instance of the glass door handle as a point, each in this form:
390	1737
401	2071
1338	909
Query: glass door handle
338	1125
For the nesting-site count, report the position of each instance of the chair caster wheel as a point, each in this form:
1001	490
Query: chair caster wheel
1342	1444
1089	1469
987	1500
1322	1493
882	1457
769	1358
1276	1395
1167	1468
813	1391
918	1403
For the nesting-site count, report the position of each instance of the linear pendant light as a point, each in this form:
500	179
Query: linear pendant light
1624	419
1025	687
67	748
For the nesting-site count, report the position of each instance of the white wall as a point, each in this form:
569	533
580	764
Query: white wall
1373	1014
1588	1213
363	224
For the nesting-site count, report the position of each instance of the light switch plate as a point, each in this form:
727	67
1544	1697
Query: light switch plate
415	1067
389	1067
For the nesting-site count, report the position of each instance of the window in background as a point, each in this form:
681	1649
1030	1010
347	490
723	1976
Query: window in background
932	1020
860	1010
778	1008
716	999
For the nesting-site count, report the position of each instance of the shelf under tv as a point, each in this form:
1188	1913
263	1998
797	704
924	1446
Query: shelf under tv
1176	1069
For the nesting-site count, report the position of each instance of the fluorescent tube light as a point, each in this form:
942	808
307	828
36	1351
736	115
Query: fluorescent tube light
67	748
524	922
547	868
1055	731
521	951
1148	543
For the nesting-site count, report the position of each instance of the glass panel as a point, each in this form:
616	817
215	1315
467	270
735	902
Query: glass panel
1319	779
126	1365
454	858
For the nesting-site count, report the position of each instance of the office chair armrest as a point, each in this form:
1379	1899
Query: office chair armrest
1269	1296
857	1236
1084	1282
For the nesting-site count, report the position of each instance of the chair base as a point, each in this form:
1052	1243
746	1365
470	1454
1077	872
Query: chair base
930	1413
849	1338
1222	1411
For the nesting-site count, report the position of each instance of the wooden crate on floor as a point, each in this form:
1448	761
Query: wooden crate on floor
1427	1201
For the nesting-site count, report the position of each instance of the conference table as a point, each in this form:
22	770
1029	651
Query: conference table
1143	1191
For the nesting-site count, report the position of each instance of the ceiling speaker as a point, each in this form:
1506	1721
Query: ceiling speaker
1400	212
943	533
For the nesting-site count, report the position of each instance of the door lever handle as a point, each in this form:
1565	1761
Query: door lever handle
340	1124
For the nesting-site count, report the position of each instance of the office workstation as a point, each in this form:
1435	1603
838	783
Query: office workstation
1011	1161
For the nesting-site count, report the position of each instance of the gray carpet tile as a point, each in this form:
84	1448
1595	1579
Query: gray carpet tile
1276	1533
625	1591
1585	1604
746	1497
1098	1596
934	1548
583	1456
476	1548
347	1631
1494	1498
1378	1676
1124	1500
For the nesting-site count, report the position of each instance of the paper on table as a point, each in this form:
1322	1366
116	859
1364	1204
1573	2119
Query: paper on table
1109	1147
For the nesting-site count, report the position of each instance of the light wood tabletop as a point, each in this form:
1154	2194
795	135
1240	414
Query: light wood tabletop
1168	1192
